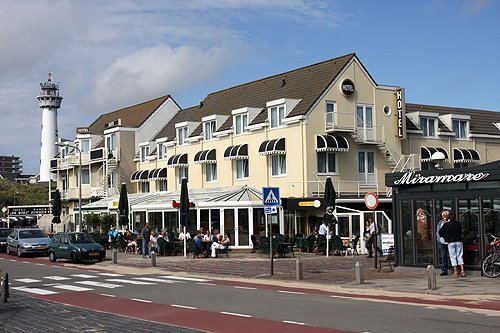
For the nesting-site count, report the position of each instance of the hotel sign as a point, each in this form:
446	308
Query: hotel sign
347	87
412	178
401	110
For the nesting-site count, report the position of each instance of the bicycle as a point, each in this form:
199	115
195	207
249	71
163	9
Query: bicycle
491	264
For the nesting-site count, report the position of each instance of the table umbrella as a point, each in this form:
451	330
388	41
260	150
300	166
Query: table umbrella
184	218
56	207
123	207
329	219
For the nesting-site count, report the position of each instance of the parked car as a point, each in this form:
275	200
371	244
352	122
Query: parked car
24	241
76	246
4	232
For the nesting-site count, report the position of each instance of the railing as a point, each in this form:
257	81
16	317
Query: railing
316	188
340	121
87	192
407	162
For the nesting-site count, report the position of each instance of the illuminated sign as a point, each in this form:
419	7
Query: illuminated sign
400	104
315	203
412	178
347	87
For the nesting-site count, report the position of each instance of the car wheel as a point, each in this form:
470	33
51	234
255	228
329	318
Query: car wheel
19	254
74	258
52	257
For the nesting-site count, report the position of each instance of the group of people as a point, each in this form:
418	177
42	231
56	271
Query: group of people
370	234
450	242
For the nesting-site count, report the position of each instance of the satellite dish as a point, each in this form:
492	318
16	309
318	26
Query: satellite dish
438	157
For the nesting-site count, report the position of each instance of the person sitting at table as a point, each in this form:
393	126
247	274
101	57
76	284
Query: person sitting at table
164	235
131	244
181	235
222	243
207	242
153	239
198	242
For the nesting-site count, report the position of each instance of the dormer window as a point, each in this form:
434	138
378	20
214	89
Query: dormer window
144	153
240	123
460	129
182	133
162	149
85	146
277	114
209	128
428	126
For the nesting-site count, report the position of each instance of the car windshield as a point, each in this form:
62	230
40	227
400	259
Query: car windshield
80	238
31	234
5	232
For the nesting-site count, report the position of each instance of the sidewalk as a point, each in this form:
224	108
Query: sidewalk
319	272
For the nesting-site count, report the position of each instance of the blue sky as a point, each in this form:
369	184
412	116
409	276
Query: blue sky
111	54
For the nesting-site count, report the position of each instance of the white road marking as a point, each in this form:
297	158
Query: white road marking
141	300
84	276
110	274
57	278
335	296
99	284
293	322
249	288
236	314
150	279
183	306
27	280
206	284
107	295
41	264
183	278
37	291
131	281
72	288
290	292
12	260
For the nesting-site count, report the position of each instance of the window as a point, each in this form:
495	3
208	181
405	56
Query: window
366	167
85	175
209	130
161	151
182	135
278	165
277	116
111	142
162	185
144	187
85	146
241	123
144	153
331	115
327	162
183	172
210	172
241	169
460	129
428	126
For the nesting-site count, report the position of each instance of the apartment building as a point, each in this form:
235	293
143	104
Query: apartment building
10	166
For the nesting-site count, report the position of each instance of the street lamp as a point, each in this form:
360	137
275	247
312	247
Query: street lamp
66	144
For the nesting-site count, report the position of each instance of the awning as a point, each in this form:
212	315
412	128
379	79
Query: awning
205	156
140	176
180	160
158	174
272	147
426	153
331	143
462	155
236	152
134	176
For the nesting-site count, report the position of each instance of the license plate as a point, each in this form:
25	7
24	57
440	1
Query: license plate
93	254
40	247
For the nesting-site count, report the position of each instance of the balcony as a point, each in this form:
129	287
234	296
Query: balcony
308	189
88	191
361	132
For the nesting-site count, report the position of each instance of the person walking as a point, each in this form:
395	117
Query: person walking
452	233
146	236
442	244
372	238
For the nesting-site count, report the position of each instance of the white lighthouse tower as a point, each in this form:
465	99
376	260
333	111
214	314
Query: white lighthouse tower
49	101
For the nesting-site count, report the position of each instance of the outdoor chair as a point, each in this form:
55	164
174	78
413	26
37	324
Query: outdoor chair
287	247
388	260
337	245
162	246
310	243
192	248
299	242
255	244
223	251
264	245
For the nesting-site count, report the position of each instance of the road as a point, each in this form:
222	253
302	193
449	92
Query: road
224	306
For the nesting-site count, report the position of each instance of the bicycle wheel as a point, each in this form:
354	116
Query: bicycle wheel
491	266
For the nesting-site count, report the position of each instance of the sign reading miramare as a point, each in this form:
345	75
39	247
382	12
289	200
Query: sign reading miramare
412	178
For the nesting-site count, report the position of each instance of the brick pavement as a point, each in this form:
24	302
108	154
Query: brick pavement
26	314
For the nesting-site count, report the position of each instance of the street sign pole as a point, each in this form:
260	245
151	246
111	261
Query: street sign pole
271	201
371	201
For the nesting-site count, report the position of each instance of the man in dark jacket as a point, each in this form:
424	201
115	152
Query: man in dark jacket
452	233
146	235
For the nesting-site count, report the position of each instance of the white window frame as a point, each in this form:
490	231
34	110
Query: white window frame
458	129
111	142
182	172
240	123
278	165
182	134
162	185
369	178
84	181
144	154
210	172
161	151
242	169
144	187
331	115
425	132
327	165
276	116
84	146
209	128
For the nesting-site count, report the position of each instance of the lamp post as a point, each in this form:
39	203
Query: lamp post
66	144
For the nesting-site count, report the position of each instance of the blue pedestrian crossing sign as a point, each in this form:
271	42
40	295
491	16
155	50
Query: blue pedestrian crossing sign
271	196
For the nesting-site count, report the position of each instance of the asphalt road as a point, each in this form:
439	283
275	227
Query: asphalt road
224	306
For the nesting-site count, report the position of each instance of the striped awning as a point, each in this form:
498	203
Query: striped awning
462	155
180	160
236	152
158	174
331	143
426	153
273	147
140	176
205	156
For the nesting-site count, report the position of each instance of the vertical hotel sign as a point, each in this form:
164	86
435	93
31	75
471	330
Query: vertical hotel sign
401	108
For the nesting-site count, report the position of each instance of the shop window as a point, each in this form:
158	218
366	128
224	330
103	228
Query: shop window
424	235
215	221
468	216
229	225
243	225
407	232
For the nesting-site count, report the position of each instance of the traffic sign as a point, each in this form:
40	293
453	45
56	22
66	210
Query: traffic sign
270	210
271	196
371	200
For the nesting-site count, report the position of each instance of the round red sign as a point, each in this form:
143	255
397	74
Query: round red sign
371	200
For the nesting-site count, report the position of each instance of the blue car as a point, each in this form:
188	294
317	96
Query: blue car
27	241
4	232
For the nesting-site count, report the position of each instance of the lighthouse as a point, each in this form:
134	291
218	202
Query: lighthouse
49	101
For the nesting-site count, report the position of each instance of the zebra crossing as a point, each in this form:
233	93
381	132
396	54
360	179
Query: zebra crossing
50	285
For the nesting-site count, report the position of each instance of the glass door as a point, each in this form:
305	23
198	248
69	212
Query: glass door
364	122
366	167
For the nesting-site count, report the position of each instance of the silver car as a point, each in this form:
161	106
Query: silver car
24	241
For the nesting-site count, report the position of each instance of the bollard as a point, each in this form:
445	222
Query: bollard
360	279
299	272
153	259
115	256
431	278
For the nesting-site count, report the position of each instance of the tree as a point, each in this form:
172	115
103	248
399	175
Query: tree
23	194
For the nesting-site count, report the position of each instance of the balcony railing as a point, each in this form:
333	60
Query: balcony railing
340	121
316	188
73	193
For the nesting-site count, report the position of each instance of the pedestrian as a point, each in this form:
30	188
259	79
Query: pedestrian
442	244
145	235
322	236
372	240
452	233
